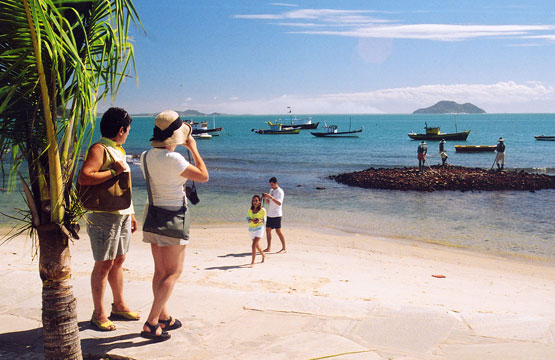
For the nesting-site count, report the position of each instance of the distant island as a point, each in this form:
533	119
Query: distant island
182	113
450	107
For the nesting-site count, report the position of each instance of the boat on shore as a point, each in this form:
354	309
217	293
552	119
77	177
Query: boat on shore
331	131
276	129
544	138
475	148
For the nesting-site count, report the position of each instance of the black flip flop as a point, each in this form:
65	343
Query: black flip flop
152	334
176	325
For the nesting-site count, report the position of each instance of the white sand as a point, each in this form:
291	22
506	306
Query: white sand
332	293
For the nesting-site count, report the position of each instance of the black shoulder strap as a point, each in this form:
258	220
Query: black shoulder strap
147	178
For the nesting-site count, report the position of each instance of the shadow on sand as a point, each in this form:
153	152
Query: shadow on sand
235	255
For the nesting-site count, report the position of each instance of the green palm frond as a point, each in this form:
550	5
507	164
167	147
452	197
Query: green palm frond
86	54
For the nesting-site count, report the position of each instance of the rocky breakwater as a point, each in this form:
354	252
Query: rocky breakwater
445	178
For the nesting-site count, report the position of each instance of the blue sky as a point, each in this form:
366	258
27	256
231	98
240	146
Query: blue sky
257	57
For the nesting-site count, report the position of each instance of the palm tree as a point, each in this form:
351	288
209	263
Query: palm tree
58	58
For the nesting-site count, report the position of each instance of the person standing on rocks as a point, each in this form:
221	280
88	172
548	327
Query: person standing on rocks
500	158
422	150
442	152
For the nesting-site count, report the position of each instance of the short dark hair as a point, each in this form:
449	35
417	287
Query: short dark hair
113	119
273	179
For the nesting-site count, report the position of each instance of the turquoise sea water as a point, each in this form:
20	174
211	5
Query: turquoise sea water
241	162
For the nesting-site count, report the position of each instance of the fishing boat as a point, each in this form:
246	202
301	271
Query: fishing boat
202	136
276	129
304	123
475	148
434	133
544	138
202	127
331	131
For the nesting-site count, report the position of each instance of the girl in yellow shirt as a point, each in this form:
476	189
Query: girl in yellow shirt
257	220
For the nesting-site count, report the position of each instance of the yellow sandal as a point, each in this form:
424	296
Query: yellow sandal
124	315
105	326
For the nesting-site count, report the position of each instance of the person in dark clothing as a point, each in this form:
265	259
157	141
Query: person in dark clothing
442	152
500	158
422	151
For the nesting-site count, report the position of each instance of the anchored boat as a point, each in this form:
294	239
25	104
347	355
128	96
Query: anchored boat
202	128
544	138
331	131
302	123
277	129
434	133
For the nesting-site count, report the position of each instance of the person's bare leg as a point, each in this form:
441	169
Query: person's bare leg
269	240
253	249
159	274
99	278
168	264
260	251
115	278
282	239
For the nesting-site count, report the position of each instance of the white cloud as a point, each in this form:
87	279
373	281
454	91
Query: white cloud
284	4
439	32
506	96
188	99
324	16
359	23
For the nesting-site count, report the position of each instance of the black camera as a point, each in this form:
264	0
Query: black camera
191	191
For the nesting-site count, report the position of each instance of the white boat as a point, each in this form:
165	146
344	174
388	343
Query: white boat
202	136
296	123
202	128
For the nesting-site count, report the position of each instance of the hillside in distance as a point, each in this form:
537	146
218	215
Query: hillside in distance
450	107
183	113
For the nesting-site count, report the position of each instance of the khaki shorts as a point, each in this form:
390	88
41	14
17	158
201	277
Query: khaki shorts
109	233
162	240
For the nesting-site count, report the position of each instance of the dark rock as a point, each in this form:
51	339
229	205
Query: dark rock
445	178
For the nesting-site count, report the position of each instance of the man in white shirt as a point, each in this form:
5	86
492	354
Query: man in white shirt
274	213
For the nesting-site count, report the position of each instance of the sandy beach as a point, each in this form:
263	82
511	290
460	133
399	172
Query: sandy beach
332	295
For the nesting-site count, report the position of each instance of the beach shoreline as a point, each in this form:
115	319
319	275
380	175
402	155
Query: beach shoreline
332	293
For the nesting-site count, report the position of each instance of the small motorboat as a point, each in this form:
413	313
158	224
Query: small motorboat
202	128
331	131
304	123
202	136
475	148
544	138
277	129
434	134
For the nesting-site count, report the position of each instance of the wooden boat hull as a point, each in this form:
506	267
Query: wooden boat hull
544	138
277	132
354	133
475	148
436	137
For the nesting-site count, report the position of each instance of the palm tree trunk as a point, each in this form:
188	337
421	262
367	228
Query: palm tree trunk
59	317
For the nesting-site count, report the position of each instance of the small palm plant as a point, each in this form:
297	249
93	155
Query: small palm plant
58	59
